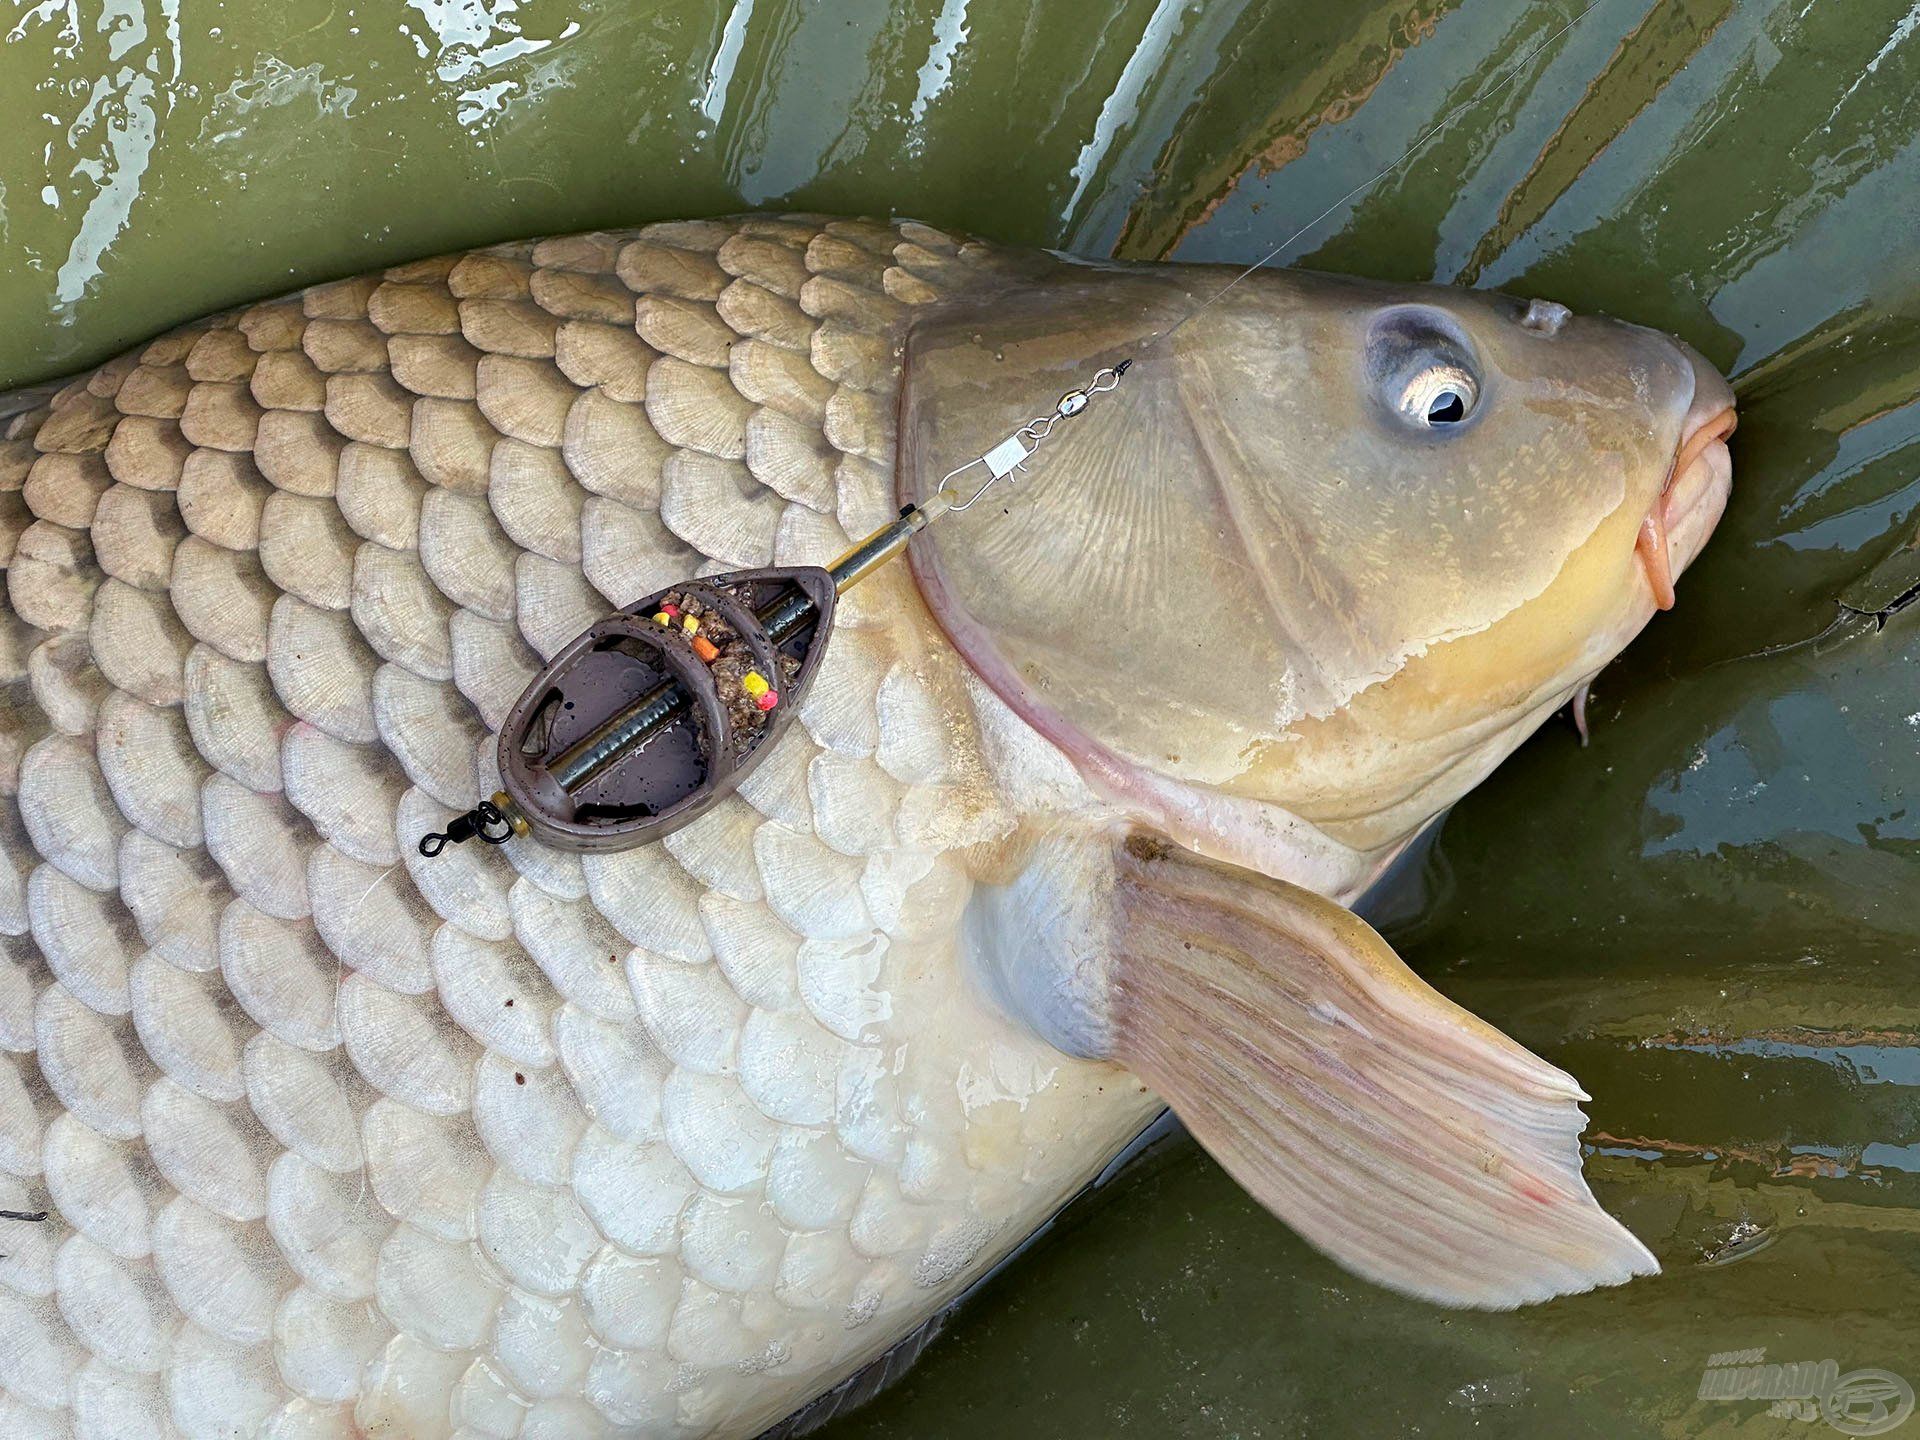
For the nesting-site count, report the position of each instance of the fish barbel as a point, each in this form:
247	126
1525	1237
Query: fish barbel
333	1140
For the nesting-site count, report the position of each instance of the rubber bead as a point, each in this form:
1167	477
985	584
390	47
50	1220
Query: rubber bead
754	683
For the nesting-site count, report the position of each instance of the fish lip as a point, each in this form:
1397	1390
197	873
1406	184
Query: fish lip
1698	483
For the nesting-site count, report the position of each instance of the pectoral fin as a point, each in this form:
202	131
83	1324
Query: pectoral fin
1412	1142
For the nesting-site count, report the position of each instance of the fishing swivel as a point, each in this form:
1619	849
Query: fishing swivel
488	820
1013	452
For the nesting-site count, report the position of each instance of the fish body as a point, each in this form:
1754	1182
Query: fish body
335	1140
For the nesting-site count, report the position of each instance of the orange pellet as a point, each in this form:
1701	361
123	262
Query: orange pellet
705	649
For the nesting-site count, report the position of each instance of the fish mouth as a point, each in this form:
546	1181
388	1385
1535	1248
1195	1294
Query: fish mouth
1698	483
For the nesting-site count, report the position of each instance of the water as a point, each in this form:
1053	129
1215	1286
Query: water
1712	915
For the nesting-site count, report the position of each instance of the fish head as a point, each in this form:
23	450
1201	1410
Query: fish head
1329	550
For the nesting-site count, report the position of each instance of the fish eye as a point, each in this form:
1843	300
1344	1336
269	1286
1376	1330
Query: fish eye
1439	395
1421	370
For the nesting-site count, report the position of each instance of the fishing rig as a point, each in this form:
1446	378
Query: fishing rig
655	714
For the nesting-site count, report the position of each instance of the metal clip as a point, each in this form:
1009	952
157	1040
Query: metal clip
1012	453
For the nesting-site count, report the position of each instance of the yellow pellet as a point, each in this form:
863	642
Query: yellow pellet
690	624
660	617
754	683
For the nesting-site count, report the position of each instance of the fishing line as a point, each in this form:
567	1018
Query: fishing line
1011	454
1442	123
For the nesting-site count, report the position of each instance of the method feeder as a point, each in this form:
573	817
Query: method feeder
642	723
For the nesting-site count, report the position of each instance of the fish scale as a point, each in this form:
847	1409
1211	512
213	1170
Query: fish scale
514	1142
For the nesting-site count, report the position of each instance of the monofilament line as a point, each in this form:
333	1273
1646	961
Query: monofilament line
1012	453
1505	78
